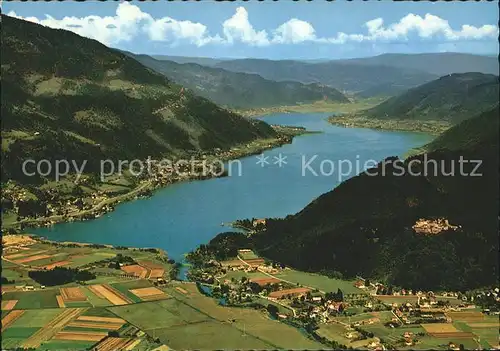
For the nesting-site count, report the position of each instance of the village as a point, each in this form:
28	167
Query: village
86	197
360	313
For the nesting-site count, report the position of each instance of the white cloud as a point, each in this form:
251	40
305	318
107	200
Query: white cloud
131	22
239	28
294	31
168	29
427	27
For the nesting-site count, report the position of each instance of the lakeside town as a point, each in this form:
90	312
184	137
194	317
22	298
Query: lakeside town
86	197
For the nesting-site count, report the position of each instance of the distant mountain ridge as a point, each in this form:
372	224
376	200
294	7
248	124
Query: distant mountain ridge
240	90
434	63
205	61
336	74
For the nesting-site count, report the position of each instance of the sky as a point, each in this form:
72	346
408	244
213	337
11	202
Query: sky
274	30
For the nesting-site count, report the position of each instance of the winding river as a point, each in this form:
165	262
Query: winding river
180	217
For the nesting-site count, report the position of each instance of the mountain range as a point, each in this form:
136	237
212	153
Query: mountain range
240	90
440	64
383	75
69	97
342	76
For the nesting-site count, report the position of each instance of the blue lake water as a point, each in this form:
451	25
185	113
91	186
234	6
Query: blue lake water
180	217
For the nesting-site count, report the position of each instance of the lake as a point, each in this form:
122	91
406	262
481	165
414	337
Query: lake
180	217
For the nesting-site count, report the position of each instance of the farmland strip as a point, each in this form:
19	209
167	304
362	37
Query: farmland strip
11	318
60	301
111	344
32	258
80	336
111	294
7	305
52	328
101	319
108	326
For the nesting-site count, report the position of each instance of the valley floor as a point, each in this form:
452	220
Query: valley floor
319	106
343	313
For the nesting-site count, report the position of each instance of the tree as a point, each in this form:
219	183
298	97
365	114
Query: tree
273	310
339	296
256	288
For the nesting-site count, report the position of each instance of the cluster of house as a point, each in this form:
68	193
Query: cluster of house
259	222
494	293
408	338
317	308
433	226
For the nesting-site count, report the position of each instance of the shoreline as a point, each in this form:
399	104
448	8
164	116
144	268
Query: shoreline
147	188
428	127
315	107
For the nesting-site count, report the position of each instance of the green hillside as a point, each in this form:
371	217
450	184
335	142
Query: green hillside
364	226
452	98
336	74
469	133
65	96
240	90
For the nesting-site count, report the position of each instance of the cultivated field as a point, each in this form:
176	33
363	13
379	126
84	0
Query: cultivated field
255	262
264	281
320	282
110	294
33	299
136	270
7	305
56	264
334	332
53	318
80	336
433	328
293	292
149	294
11	318
112	344
189	320
52	328
466	316
247	255
37	254
73	294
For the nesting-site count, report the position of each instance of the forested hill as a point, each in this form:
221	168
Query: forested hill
365	225
69	97
380	79
240	90
469	133
451	98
